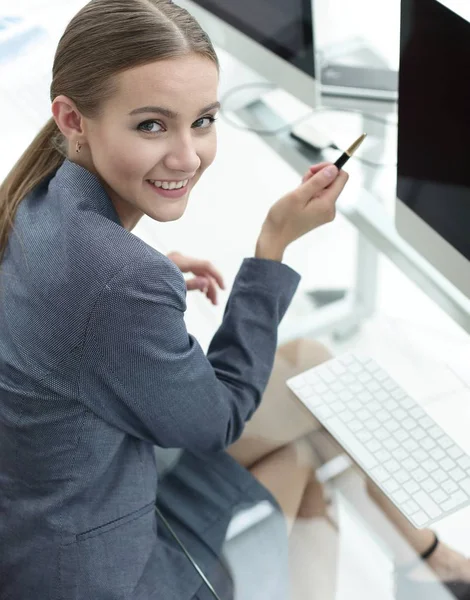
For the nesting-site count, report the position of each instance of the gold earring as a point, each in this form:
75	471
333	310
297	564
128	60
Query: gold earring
78	147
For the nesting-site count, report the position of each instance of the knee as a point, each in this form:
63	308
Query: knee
304	353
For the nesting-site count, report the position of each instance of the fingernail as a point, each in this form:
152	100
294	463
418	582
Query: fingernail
330	172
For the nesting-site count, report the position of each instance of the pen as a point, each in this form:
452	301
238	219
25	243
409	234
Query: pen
349	152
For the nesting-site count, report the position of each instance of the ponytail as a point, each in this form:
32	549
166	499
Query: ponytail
42	157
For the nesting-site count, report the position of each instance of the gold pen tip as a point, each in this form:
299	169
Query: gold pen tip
350	151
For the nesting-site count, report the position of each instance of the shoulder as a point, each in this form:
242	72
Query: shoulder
146	275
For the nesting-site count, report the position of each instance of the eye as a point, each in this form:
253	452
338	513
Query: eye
204	122
147	127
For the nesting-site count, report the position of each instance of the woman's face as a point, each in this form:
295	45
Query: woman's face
155	137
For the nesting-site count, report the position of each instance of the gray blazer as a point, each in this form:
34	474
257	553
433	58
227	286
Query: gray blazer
96	367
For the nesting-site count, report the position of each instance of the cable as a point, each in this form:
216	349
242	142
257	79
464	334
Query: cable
188	556
288	126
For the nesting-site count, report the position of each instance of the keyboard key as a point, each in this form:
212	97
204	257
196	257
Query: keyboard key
401	435
439	496
364	377
392	466
427	504
420	455
373	445
392	426
445	442
372	424
450	486
418	434
381	396
379	474
454	452
391	443
355	426
429	465
336	367
382	455
454	501
447	464
410	445
438	454
411	507
346	396
411	487
407	403
349	440
402	476
420	518
383	415
417	412
400	496
419	475
439	476
380	375
363	414
346	416
365	397
400	454
381	434
465	484
464	462
324	412
410	464
428	443
391	485
364	435
327	376
457	474
429	485
391	405
409	424
398	394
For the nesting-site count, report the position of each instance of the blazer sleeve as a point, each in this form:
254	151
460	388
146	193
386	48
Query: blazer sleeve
143	373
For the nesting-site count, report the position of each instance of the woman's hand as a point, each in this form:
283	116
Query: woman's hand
310	205
207	276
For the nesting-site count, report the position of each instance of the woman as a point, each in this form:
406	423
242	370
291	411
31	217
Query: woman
96	365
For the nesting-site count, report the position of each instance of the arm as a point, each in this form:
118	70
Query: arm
144	374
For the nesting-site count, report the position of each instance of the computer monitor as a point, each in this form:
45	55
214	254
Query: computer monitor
433	186
273	37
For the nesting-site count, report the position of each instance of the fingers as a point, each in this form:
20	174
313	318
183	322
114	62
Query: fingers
211	291
206	268
326	200
197	283
313	170
207	285
318	182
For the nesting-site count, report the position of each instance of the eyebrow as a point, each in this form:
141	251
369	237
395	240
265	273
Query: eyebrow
166	112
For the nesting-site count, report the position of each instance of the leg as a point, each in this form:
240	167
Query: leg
286	473
447	563
281	418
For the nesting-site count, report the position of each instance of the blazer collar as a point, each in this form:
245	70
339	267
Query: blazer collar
86	188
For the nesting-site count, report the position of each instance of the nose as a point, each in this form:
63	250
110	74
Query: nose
182	155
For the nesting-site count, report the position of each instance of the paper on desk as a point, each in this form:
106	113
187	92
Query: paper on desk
365	568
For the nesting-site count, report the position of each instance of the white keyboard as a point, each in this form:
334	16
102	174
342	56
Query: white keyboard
398	445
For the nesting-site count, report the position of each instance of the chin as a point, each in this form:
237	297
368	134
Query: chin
168	214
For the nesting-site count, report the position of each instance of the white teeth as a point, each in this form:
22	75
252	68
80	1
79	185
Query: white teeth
172	185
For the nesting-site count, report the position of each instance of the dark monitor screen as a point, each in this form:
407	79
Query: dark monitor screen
434	119
283	26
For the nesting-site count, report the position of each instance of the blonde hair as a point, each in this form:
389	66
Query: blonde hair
104	38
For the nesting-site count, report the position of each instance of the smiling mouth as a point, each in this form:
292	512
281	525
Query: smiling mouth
169	185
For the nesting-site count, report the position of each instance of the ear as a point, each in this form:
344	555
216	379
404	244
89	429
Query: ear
68	118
